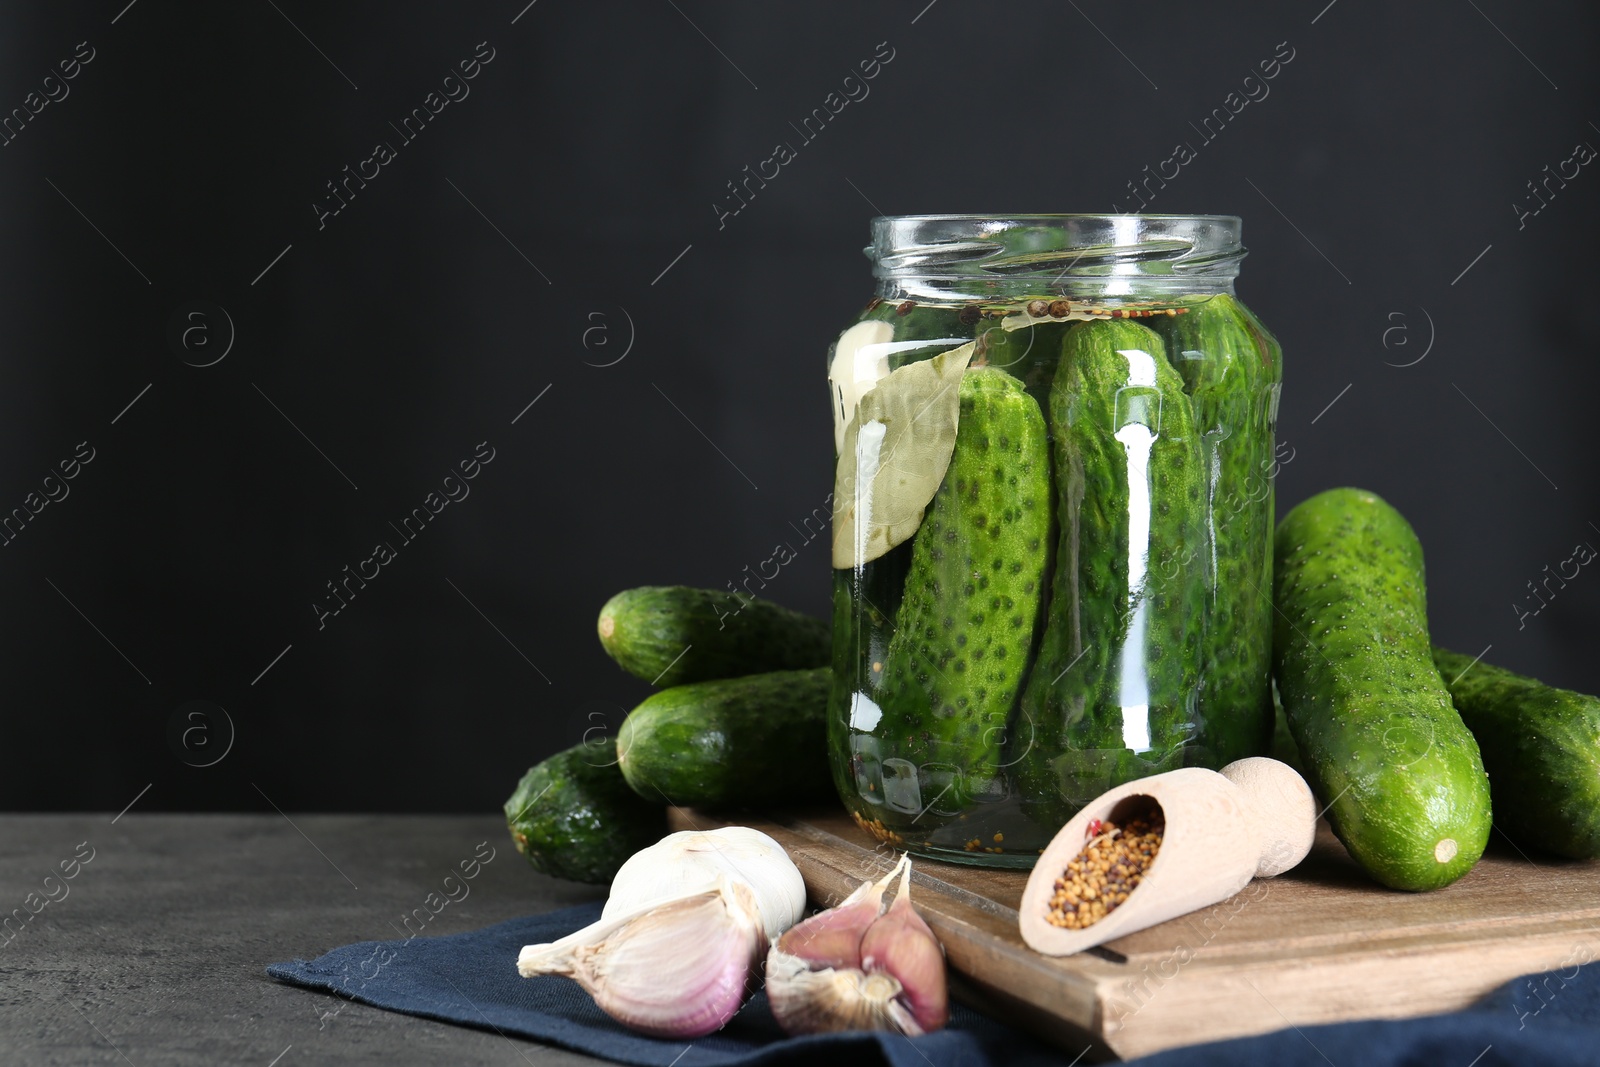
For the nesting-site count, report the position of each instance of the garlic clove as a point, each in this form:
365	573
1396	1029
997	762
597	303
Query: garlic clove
857	967
832	938
806	1001
901	945
680	969
860	360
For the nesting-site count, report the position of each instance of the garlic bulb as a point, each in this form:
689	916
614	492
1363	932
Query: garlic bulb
690	860
857	967
683	933
679	969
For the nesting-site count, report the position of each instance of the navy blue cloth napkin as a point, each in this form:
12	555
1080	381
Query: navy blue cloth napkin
472	979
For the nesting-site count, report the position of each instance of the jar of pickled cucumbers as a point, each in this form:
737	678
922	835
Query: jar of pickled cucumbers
1052	526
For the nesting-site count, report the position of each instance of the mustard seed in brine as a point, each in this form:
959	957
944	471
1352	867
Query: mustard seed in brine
1111	866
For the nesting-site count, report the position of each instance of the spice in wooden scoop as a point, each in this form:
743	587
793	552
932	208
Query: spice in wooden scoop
1110	867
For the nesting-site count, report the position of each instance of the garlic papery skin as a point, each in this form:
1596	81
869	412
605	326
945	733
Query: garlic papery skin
806	1001
690	861
679	969
891	978
900	944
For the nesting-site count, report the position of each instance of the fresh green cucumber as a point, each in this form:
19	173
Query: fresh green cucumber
756	740
574	817
1113	693
1231	369
1400	774
965	626
675	634
1541	746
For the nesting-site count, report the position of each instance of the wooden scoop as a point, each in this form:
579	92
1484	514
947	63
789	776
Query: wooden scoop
1256	818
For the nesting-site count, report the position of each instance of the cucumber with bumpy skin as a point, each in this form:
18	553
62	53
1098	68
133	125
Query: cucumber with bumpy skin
1231	369
676	634
1400	774
572	815
1541	746
1112	695
965	625
760	739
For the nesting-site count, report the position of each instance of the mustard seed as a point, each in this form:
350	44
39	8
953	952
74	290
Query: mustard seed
1111	866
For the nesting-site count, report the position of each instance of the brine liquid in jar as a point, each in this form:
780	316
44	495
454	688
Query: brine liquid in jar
1054	443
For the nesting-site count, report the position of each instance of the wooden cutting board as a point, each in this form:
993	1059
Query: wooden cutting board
1320	944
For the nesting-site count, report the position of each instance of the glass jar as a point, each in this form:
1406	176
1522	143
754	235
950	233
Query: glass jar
1053	517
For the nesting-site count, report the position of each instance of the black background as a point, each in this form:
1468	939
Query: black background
573	191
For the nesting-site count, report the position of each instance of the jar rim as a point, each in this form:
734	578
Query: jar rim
1051	216
1072	254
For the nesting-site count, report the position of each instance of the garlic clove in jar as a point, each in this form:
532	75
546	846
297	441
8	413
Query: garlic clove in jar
860	360
677	969
891	979
901	944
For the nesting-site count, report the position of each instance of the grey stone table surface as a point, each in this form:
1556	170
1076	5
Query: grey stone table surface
153	951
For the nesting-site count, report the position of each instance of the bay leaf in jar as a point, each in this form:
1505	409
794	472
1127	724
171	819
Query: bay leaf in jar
896	450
